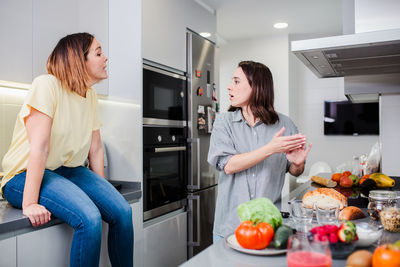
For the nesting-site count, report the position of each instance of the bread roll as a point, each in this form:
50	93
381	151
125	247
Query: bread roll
351	213
323	181
325	197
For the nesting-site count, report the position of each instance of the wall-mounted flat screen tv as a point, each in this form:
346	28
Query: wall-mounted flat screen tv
346	118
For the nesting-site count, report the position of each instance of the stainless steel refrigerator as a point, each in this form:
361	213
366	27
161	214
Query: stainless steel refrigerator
202	182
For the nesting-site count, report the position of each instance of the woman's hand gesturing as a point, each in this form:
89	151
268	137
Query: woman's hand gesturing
37	214
284	144
298	156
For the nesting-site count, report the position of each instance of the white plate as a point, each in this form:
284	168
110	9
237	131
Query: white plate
232	242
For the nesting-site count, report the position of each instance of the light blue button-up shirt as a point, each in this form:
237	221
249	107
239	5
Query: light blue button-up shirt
232	135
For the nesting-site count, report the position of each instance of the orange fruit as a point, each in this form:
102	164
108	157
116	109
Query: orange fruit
336	177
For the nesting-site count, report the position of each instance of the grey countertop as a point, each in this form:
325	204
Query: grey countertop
220	254
13	222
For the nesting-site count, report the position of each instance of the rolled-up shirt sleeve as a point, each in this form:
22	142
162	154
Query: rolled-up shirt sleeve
222	147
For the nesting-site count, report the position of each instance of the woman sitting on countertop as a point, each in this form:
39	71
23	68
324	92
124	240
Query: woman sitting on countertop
57	128
252	146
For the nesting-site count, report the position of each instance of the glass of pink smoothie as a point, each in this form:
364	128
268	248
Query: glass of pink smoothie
305	253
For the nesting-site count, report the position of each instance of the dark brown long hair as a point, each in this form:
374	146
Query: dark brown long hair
68	61
262	97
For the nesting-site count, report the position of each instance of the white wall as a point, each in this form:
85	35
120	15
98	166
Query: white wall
372	15
270	51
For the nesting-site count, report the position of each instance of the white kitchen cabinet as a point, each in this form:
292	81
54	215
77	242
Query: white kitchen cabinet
165	240
50	246
8	248
47	247
164	29
16	40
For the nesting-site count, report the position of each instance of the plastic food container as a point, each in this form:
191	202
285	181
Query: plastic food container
367	234
378	199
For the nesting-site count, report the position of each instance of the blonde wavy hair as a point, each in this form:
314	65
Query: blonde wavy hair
67	62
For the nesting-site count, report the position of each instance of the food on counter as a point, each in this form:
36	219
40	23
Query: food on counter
378	200
341	240
382	180
347	232
281	236
260	210
326	197
345	181
363	178
367	234
386	255
346	173
360	258
323	181
325	232
336	177
354	179
351	213
367	186
254	236
390	219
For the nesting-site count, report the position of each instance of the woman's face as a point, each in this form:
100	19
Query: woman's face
96	63
239	89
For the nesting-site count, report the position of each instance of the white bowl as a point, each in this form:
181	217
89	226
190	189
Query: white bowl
367	234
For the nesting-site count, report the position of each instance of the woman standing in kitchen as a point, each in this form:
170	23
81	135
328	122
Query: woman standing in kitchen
252	146
57	129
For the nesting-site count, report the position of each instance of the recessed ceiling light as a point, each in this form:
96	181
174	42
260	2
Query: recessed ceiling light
280	25
205	34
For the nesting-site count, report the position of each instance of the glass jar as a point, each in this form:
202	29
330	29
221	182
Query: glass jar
378	199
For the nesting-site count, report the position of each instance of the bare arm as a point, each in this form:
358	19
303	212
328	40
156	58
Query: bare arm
278	144
96	154
38	127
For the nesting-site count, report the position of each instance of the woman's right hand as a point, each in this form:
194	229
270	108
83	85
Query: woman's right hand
37	214
283	144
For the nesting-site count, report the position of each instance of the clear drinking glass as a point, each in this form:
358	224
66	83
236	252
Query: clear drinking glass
304	253
327	214
302	216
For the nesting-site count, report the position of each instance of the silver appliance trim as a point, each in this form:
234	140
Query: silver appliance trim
192	186
174	75
169	149
192	242
164	209
161	122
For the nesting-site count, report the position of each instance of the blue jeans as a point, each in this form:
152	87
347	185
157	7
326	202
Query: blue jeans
82	199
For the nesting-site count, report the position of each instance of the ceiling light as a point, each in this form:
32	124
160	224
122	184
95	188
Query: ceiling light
205	34
280	25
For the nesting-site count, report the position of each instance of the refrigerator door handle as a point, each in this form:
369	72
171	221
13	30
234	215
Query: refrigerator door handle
191	198
192	185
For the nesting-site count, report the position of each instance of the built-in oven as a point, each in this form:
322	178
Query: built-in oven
165	169
164	95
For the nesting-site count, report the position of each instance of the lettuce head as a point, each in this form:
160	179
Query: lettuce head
260	210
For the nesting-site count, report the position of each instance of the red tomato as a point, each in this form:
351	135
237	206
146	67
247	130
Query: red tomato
253	236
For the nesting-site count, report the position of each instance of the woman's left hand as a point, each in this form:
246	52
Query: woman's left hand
298	156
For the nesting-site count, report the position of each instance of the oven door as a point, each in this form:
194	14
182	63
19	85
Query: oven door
164	95
165	174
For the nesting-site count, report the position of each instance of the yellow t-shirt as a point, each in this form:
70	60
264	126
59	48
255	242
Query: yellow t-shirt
74	118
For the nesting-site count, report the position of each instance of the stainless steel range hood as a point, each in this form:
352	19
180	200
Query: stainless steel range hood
354	54
369	61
